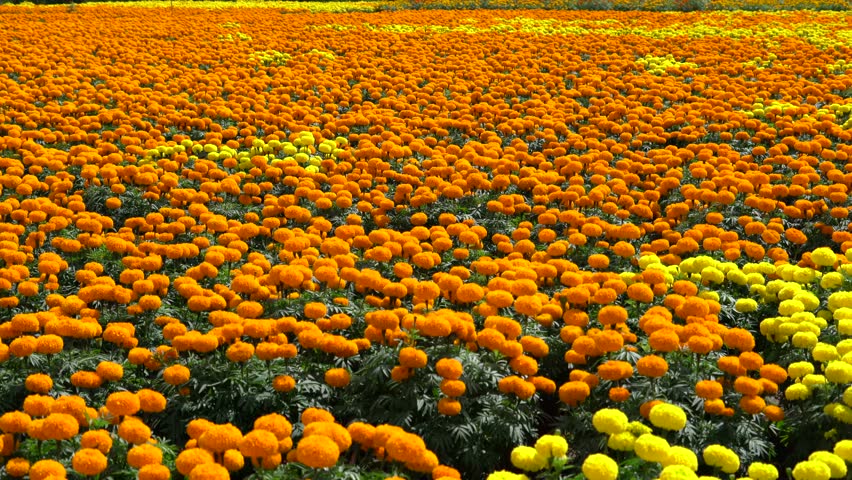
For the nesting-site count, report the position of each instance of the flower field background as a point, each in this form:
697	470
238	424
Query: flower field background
251	243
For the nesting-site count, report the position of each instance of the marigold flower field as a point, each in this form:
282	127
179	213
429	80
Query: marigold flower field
259	243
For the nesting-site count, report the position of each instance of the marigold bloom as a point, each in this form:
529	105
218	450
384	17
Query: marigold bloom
258	443
89	462
38	383
667	416
600	467
337	377
610	421
145	454
46	469
176	375
652	366
573	393
123	403
190	458
317	451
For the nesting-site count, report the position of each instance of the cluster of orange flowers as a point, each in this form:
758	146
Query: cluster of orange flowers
207	182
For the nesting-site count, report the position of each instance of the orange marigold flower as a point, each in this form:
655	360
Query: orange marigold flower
317	451
739	338
574	392
38	383
652	366
89	462
283	383
614	370
14	422
209	471
134	431
612	315
311	415
275	423
123	403
110	371
17	467
664	341
60	426
748	386
337	377
449	368
151	401
219	438
709	389
47	469
619	394
99	439
176	375
773	372
412	358
190	458
752	404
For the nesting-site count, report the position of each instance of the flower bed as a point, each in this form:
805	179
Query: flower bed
424	244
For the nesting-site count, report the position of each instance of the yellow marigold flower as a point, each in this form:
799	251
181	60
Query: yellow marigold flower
600	467
823	257
762	471
797	391
89	462
552	446
843	448
805	340
677	472
609	421
638	428
317	451
831	280
651	448
811	470
528	459
838	372
722	457
504	475
800	369
745	305
834	462
667	416
813	380
682	456
621	441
